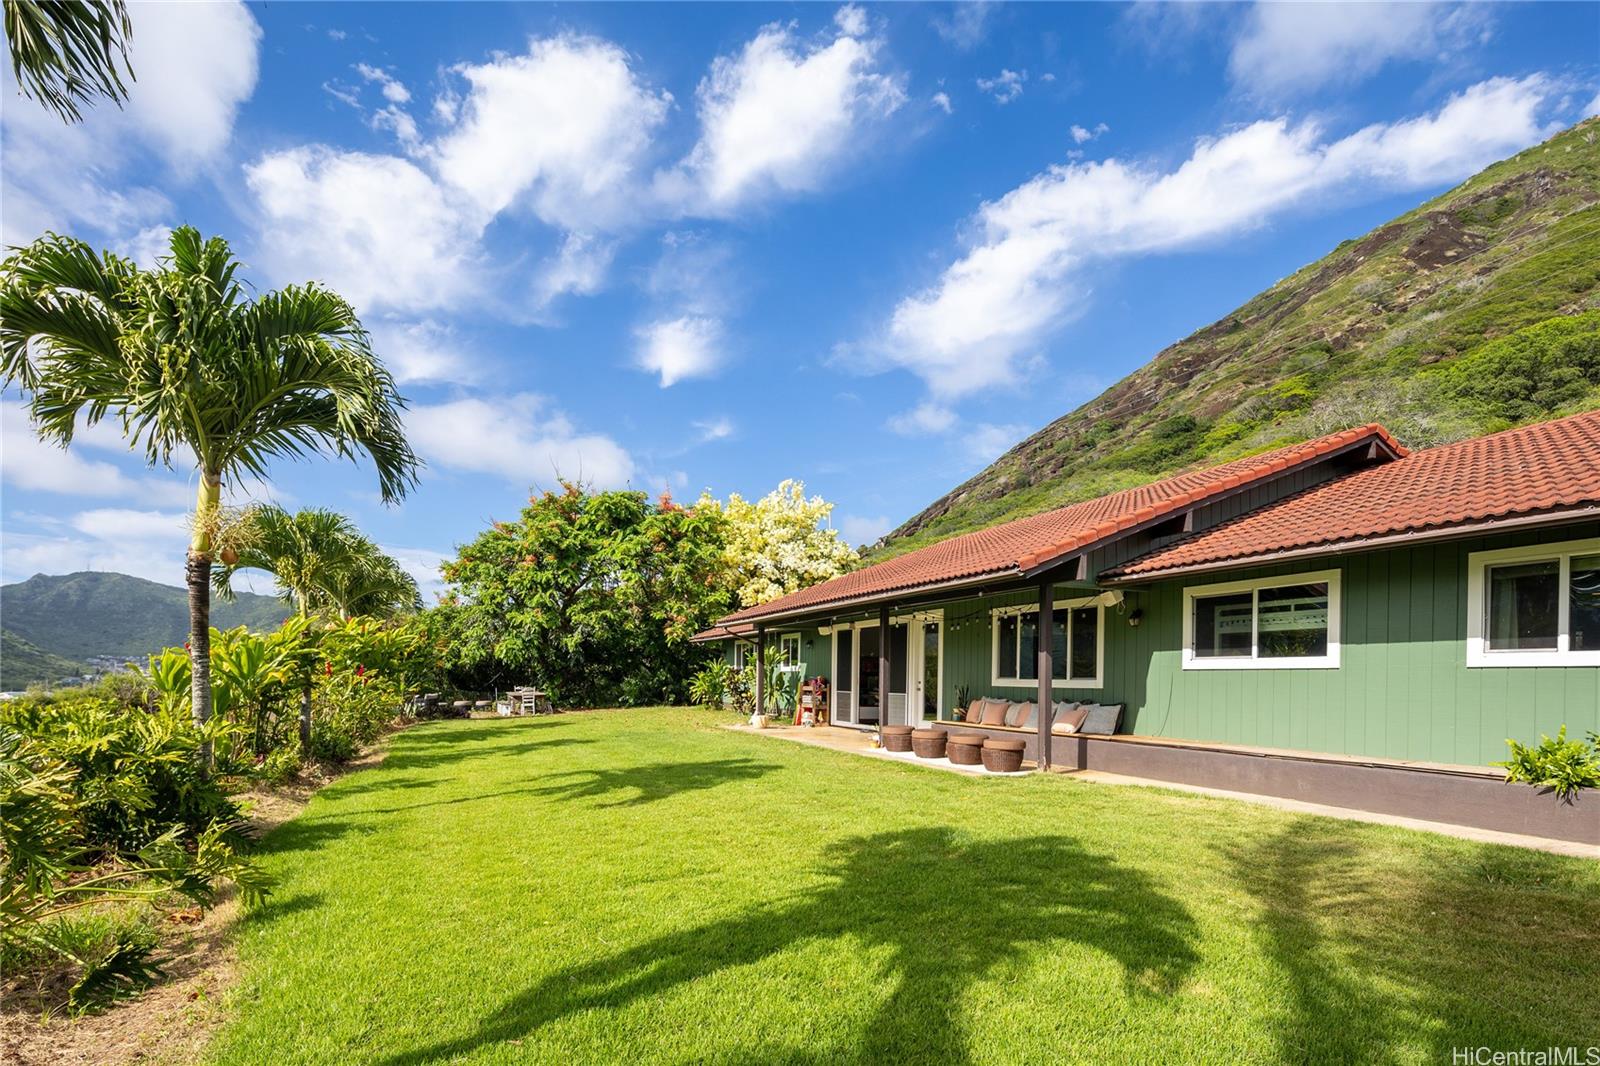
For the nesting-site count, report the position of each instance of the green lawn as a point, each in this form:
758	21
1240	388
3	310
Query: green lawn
642	886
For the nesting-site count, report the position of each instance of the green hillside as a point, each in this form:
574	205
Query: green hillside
1476	311
22	664
92	613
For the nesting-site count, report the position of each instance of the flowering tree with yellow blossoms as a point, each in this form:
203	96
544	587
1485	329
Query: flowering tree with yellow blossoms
780	543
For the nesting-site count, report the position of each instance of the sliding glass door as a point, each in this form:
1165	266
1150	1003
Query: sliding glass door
861	697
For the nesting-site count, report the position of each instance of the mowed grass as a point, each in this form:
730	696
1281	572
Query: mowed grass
642	886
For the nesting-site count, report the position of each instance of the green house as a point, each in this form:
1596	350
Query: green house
1339	620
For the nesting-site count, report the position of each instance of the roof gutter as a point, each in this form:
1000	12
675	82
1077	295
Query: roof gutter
1388	540
866	599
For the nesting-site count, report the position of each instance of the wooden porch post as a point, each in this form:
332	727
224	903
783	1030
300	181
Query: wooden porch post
1046	646
761	670
883	668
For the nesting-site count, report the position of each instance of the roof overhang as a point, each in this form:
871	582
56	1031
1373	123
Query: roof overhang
1359	544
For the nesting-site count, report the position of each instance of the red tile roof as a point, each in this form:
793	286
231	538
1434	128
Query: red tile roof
1546	468
1014	547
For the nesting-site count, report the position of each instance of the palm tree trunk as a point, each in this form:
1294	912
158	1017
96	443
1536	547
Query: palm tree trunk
197	571
198	574
305	696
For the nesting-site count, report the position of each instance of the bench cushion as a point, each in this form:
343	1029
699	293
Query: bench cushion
1019	714
1070	720
1102	720
994	712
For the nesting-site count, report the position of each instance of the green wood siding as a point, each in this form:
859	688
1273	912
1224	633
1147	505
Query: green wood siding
1402	689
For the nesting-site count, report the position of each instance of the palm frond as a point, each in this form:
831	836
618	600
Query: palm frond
65	53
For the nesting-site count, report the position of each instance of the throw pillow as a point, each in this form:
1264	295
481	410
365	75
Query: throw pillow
1102	720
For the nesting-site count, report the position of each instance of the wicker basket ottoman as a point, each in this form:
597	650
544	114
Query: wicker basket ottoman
1002	756
928	743
966	749
896	738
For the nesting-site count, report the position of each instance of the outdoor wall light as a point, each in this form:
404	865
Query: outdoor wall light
1135	617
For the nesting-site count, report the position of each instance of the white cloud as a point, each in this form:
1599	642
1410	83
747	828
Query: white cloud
942	102
863	529
563	129
1005	86
780	115
1593	107
534	445
1082	134
422	564
1286	47
1026	271
24	554
922	419
28	463
376	228
579	268
122	522
147	246
712	429
393	88
196	63
680	348
425	351
966	27
851	20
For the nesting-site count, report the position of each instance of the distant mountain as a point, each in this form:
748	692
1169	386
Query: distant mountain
1476	311
76	616
22	664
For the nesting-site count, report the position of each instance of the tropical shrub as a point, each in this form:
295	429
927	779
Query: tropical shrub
709	686
1566	766
58	862
134	772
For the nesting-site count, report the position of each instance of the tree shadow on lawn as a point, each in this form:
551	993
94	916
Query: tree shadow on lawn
650	782
1498	949
949	910
465	745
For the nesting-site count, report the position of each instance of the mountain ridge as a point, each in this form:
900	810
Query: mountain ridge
1477	310
103	613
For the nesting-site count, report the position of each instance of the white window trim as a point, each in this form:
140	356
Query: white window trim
1097	681
786	638
1330	661
1479	653
743	650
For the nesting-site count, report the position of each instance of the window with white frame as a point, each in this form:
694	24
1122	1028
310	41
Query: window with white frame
789	650
1270	623
743	652
1077	645
1534	606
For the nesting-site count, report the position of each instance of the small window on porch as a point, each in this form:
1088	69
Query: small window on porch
1075	647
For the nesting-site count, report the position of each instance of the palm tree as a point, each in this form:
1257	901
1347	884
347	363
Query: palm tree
189	364
321	561
372	582
67	52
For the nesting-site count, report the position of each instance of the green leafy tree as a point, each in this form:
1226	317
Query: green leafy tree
194	368
593	596
779	544
65	53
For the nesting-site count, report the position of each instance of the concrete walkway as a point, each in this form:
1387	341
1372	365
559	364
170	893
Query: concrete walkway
859	742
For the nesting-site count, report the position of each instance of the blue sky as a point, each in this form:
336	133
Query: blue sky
709	247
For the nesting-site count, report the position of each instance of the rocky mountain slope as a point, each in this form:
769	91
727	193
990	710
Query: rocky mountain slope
1478	310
